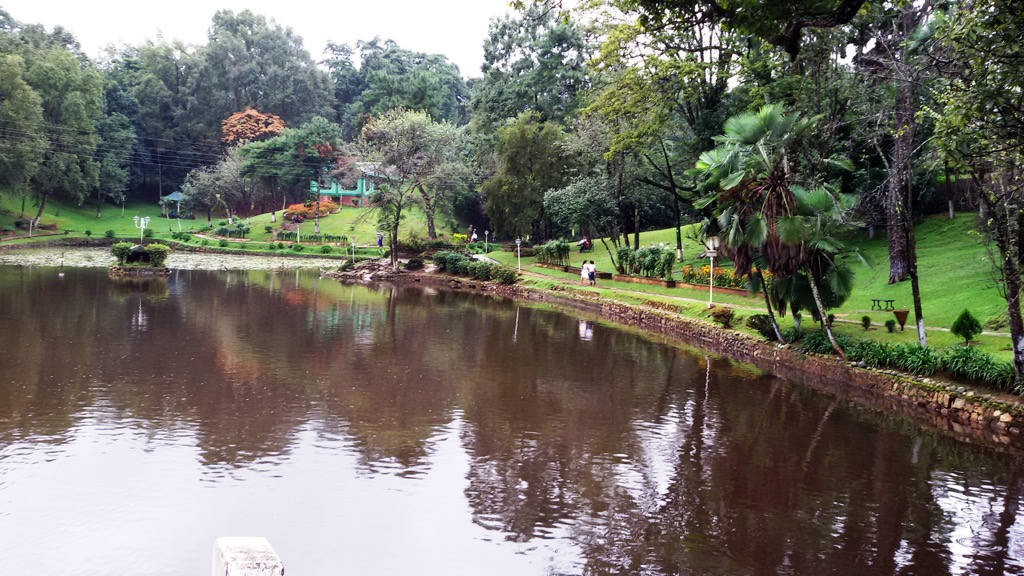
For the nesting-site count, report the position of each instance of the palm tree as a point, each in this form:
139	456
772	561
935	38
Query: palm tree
761	213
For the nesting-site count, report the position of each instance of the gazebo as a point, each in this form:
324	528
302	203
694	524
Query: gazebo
175	197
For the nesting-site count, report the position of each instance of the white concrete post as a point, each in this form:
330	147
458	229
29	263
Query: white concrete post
245	556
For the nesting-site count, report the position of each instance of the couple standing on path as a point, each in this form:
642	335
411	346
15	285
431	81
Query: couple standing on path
588	273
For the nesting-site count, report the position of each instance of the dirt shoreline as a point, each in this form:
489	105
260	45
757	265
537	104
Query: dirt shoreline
968	414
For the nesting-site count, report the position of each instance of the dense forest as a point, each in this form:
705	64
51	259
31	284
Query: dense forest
602	120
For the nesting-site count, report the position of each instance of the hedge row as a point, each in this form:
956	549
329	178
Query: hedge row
456	263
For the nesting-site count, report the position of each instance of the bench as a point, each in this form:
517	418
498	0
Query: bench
877	304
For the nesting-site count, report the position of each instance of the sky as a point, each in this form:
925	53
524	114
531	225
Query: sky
455	28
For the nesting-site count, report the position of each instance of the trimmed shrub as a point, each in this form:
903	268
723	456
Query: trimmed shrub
121	250
554	252
414	264
88	233
109	234
157	254
479	270
325	249
865	322
890	325
223	243
148	233
723	315
763	324
505	274
966	326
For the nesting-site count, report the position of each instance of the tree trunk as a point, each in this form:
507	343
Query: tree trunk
39	214
636	227
316	216
393	240
1007	240
679	226
768	306
896	209
428	212
821	314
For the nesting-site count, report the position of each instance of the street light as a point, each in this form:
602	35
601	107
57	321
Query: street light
519	255
711	243
141	224
486	234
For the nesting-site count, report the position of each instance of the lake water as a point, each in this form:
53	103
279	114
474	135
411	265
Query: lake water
381	430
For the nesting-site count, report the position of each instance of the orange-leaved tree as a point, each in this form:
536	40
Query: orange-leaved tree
250	125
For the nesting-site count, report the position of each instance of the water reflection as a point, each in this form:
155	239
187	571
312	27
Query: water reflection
345	423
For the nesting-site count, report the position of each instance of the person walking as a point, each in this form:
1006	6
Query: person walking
584	273
592	273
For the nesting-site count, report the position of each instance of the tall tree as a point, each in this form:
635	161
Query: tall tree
981	129
390	76
249	61
752	175
406	152
533	61
21	126
117	141
899	59
71	92
530	162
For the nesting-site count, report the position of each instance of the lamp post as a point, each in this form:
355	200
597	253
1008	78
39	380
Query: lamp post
711	243
486	234
141	224
519	255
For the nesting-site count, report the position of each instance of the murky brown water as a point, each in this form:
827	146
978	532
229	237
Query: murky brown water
409	431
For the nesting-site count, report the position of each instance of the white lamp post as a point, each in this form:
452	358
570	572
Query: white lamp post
519	255
711	243
486	234
141	224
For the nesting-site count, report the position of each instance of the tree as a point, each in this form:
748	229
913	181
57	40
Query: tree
21	117
533	61
71	93
249	125
530	162
980	128
751	174
390	76
966	326
249	61
152	82
900	36
406	152
314	144
117	140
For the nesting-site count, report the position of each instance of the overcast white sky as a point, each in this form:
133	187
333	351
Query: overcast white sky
455	28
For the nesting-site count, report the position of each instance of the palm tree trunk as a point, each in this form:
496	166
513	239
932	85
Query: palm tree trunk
768	306
821	313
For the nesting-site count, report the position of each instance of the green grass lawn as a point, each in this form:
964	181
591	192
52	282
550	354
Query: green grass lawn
955	269
358	223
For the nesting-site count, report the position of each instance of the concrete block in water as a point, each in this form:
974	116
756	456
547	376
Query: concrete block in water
245	556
